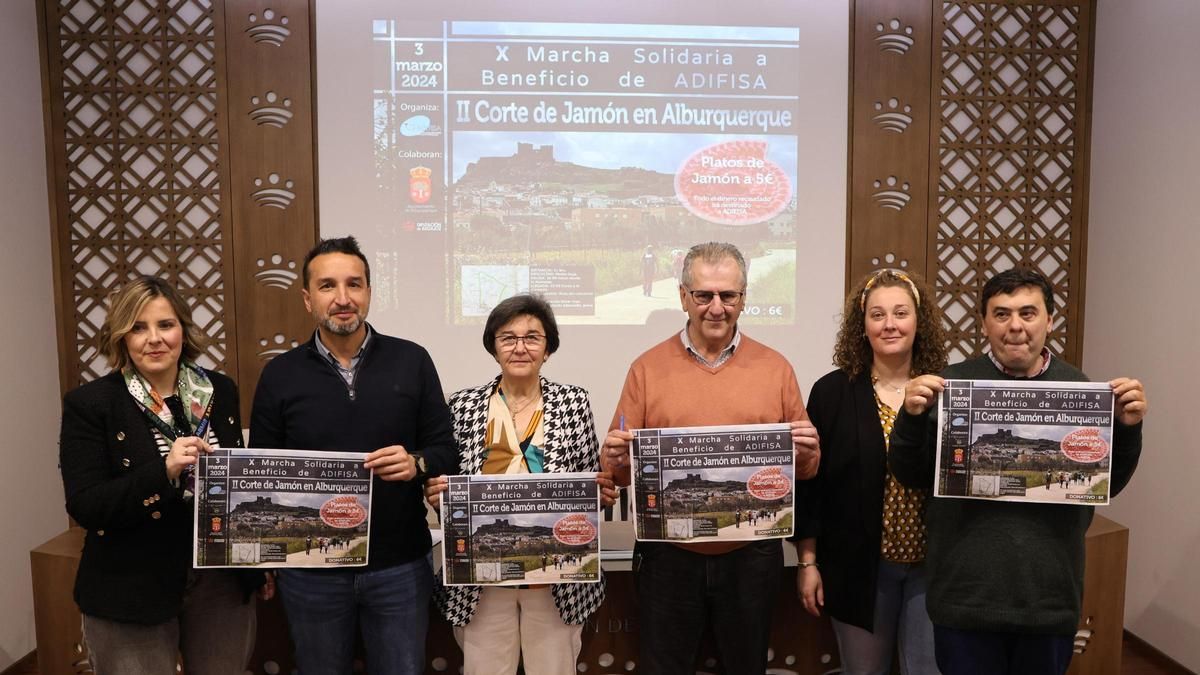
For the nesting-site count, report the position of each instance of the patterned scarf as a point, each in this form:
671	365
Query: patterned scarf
192	387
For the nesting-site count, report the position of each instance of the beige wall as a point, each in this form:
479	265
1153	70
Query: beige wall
1143	303
1141	310
31	504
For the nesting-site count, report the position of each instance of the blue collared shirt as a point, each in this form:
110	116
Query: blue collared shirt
725	354
346	373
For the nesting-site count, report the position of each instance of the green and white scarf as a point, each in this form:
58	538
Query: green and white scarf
194	389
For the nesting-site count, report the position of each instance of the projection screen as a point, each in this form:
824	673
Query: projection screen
577	149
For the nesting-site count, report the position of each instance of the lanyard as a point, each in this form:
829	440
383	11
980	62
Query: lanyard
166	429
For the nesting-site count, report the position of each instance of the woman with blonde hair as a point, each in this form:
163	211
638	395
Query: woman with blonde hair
128	445
862	542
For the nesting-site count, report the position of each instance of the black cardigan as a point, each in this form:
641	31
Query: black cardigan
843	504
302	403
138	548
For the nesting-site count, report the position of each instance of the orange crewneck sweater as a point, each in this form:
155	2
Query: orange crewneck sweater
668	387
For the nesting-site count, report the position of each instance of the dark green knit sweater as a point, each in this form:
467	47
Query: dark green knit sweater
1007	566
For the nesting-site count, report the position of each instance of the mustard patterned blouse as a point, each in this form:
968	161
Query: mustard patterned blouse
903	530
510	450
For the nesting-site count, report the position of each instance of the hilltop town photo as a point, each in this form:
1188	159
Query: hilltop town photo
295	532
547	213
506	547
720	506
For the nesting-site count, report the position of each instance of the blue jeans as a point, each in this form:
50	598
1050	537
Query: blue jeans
679	591
391	606
899	614
977	652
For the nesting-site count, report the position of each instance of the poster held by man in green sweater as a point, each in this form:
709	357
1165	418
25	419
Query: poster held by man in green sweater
1019	441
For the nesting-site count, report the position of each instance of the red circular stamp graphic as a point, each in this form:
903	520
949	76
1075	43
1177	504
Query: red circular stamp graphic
574	530
733	183
343	512
1084	445
769	483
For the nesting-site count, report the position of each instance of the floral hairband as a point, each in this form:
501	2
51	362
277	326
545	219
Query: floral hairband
862	300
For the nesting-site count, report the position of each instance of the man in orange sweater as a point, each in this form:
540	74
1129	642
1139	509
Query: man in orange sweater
708	374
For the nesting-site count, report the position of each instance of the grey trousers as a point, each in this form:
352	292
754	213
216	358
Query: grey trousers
214	633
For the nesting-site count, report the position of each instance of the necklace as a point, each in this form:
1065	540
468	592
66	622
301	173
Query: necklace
885	386
517	409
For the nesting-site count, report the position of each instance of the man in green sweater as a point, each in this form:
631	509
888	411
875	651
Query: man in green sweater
1006	579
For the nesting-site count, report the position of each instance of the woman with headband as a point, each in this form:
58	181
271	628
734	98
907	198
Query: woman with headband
862	545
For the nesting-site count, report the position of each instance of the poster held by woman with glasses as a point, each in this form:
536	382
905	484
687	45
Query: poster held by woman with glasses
128	445
520	422
861	543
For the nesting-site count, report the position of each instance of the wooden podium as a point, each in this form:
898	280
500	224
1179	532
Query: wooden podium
800	644
1102	624
56	619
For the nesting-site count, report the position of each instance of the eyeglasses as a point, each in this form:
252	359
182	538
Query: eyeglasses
728	298
532	341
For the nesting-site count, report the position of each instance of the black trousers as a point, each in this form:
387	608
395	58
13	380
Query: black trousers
680	592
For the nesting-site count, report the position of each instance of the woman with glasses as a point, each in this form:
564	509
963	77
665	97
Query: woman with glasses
864	563
520	422
129	443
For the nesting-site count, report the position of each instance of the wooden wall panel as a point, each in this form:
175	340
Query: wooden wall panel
269	110
131	95
889	136
1009	157
180	138
982	164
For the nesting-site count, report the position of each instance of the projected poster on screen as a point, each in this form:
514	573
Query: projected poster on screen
581	160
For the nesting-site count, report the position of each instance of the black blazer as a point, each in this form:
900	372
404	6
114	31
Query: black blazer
843	504
137	552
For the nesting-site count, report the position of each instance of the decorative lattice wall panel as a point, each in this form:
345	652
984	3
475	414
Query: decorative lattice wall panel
133	99
1010	161
143	116
969	132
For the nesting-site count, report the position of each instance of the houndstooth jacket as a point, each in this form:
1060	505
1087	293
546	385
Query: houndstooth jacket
571	445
